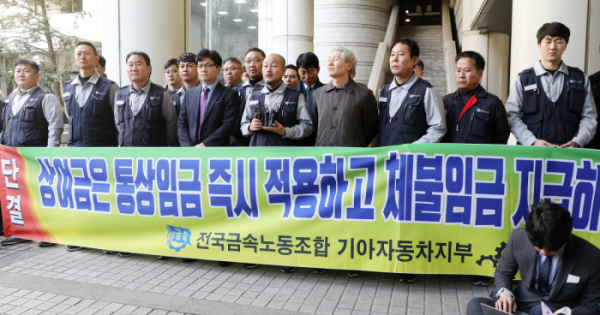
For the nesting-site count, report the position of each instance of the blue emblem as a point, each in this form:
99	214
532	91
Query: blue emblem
178	236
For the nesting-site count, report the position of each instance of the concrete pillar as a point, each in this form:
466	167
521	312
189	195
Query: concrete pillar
497	64
528	16
265	25
293	28
155	27
358	25
593	56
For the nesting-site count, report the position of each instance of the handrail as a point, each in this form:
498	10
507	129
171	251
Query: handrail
449	49
381	64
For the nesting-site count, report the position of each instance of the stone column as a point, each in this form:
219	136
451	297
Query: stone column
293	28
358	25
265	25
497	64
155	27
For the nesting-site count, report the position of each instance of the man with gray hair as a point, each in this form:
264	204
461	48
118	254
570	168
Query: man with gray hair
345	112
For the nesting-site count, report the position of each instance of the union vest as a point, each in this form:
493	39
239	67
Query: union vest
409	123
148	127
556	122
286	115
92	125
29	127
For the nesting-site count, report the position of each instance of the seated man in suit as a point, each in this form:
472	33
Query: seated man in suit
209	111
557	268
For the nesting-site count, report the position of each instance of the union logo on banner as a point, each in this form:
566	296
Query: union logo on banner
178	238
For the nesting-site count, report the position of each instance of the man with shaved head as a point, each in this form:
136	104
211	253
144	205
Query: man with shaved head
291	119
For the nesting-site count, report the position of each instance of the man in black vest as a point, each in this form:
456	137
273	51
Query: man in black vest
291	122
144	115
208	112
472	114
33	113
551	104
410	109
254	63
89	102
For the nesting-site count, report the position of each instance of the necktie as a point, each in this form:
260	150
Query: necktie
308	99
544	276
203	102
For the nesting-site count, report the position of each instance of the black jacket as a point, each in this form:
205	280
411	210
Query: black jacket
485	122
219	117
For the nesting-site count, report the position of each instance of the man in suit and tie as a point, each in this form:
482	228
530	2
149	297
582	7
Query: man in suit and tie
557	268
208	112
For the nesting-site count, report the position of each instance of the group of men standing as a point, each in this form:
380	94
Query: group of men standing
550	104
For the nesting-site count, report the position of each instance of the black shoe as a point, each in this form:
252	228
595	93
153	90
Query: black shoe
108	252
12	241
251	266
224	263
354	273
72	248
187	260
482	281
288	269
123	254
408	277
318	271
45	244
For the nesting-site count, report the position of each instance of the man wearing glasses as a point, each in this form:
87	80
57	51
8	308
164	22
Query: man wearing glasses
208	112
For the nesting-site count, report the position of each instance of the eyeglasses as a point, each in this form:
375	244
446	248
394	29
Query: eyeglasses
171	71
207	66
256	61
231	69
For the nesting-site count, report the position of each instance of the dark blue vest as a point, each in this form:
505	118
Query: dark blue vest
147	128
409	123
92	125
556	122
29	127
286	116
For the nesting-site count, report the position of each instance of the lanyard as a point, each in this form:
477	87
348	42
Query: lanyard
469	104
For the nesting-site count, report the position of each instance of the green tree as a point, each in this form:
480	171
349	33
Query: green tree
25	31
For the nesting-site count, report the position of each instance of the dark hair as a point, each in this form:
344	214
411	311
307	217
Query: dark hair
139	53
88	44
307	60
187	57
212	54
413	47
291	66
170	62
102	61
29	62
478	60
553	29
548	225
420	65
256	49
233	59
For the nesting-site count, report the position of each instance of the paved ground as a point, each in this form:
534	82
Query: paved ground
51	280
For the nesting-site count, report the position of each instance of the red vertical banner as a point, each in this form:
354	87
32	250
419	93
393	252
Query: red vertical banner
17	205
